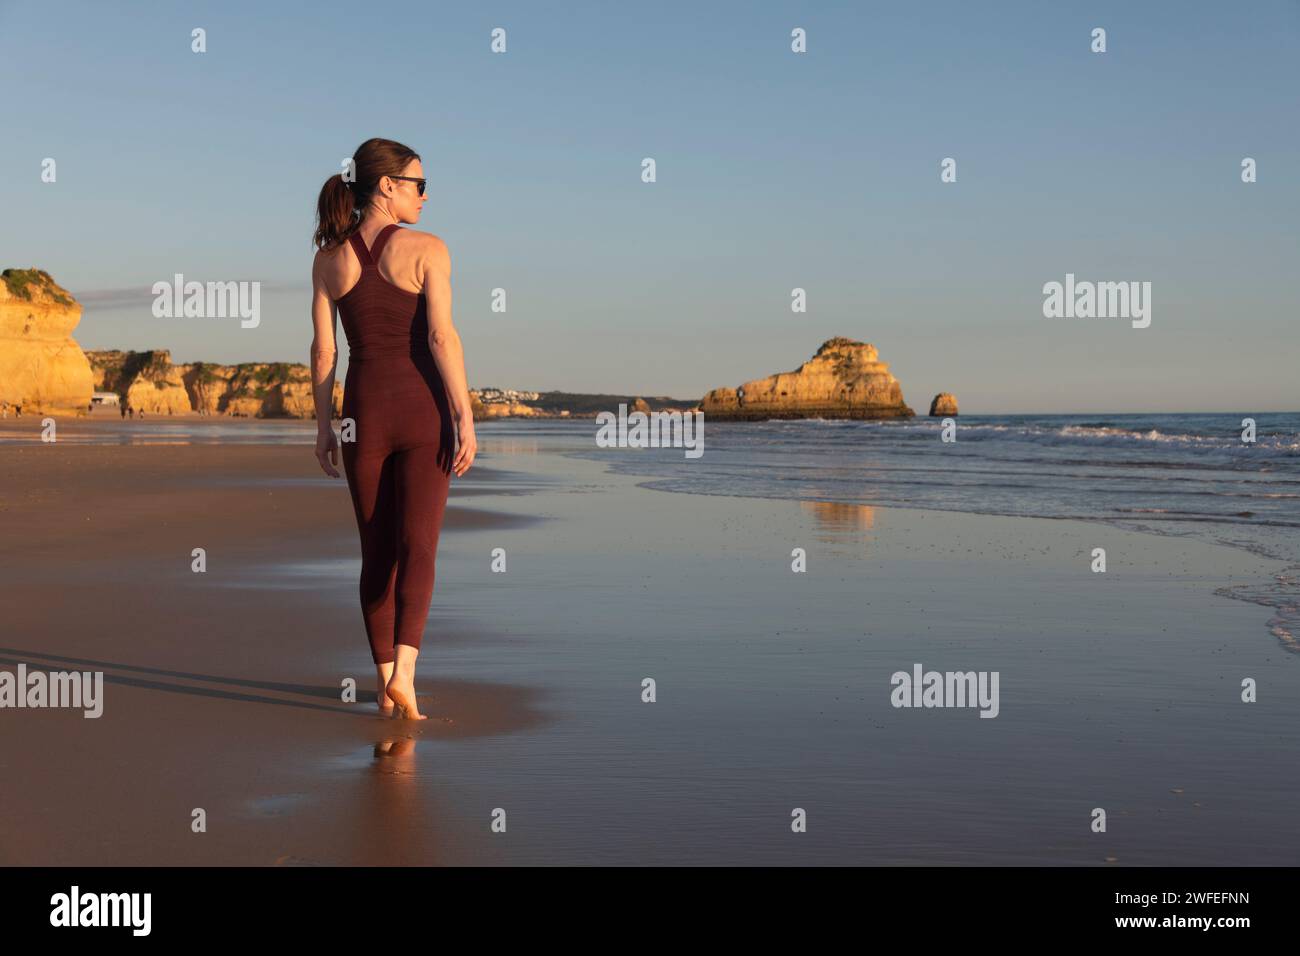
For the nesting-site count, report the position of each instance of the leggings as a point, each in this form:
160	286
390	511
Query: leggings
399	494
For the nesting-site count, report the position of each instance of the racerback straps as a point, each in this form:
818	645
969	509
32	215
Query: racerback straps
369	257
381	240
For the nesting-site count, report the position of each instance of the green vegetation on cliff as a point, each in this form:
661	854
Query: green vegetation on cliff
277	373
152	366
22	282
204	373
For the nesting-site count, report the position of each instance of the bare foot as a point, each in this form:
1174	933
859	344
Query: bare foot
402	694
383	673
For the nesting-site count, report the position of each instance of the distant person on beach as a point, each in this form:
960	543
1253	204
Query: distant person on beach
405	391
130	412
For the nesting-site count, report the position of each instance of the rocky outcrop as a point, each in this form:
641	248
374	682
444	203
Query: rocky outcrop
41	368
504	409
844	379
944	403
145	381
504	403
150	382
556	404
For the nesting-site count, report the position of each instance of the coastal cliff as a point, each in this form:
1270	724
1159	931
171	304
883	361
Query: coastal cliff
149	381
41	367
844	379
43	370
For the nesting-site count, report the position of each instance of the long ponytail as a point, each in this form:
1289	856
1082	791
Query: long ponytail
336	213
340	205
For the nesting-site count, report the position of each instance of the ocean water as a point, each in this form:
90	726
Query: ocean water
1174	474
1178	475
1169	474
1184	474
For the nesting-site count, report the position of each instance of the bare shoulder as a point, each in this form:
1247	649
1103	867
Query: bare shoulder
327	257
328	270
320	262
426	245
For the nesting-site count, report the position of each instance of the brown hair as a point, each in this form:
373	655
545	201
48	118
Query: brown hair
338	210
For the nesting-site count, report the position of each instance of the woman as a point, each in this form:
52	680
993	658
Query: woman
405	394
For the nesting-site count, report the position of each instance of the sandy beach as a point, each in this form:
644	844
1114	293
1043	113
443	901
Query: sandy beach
216	686
223	689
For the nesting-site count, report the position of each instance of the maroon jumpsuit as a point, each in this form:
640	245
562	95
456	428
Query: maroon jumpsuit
399	465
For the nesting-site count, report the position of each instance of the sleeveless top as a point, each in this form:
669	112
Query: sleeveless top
379	319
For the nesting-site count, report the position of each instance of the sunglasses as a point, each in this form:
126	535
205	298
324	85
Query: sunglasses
419	183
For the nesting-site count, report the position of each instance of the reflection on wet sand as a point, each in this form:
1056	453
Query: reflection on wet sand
841	517
508	446
395	755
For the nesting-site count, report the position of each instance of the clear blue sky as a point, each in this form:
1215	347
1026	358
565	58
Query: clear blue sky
775	170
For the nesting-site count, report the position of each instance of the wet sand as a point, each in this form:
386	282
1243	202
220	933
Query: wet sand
773	688
222	697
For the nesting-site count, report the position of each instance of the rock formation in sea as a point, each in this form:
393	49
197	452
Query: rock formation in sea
945	403
844	379
42	369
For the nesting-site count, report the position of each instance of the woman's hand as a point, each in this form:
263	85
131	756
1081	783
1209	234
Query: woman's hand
327	451
468	445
